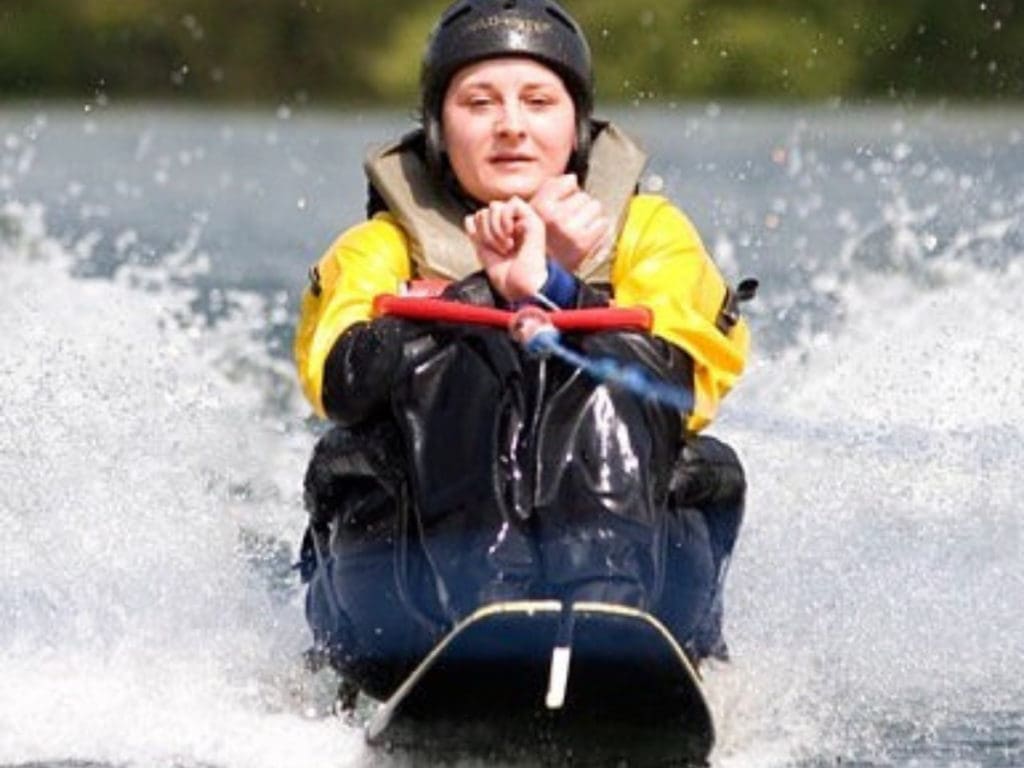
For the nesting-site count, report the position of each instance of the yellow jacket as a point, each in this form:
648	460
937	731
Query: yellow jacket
658	262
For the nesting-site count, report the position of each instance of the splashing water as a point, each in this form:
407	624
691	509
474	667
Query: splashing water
877	591
137	622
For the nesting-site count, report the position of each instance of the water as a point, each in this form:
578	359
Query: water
152	440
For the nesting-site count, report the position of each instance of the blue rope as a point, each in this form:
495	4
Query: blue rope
547	342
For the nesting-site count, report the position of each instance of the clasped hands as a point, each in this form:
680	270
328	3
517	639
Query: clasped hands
514	238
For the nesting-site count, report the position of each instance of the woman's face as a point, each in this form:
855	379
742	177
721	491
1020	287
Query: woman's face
508	124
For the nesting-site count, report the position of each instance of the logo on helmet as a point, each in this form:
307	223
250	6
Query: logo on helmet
523	26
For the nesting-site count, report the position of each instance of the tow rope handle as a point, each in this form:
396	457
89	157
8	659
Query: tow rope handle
567	320
539	333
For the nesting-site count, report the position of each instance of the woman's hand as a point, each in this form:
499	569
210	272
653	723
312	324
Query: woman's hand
575	221
511	245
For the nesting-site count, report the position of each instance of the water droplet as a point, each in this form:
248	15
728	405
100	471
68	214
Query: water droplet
190	23
901	151
654	183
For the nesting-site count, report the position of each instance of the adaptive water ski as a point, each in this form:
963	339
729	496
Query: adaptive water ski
581	684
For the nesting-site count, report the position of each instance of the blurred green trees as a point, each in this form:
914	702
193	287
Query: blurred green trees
367	51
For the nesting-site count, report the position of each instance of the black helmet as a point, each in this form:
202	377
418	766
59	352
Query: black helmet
473	30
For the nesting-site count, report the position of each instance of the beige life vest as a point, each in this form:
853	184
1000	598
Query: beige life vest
438	246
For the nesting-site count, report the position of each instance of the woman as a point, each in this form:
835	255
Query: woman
463	470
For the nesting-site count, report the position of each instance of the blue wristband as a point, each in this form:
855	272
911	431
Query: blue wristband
560	287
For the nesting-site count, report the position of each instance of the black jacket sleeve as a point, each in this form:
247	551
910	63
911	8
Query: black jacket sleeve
360	369
363	364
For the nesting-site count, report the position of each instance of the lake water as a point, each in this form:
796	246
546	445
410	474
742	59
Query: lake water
152	439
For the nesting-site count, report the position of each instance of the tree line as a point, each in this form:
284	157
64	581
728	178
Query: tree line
368	51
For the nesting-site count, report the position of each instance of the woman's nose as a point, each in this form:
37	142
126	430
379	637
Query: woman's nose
510	121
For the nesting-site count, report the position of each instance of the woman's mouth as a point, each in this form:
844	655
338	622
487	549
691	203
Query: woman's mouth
509	160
